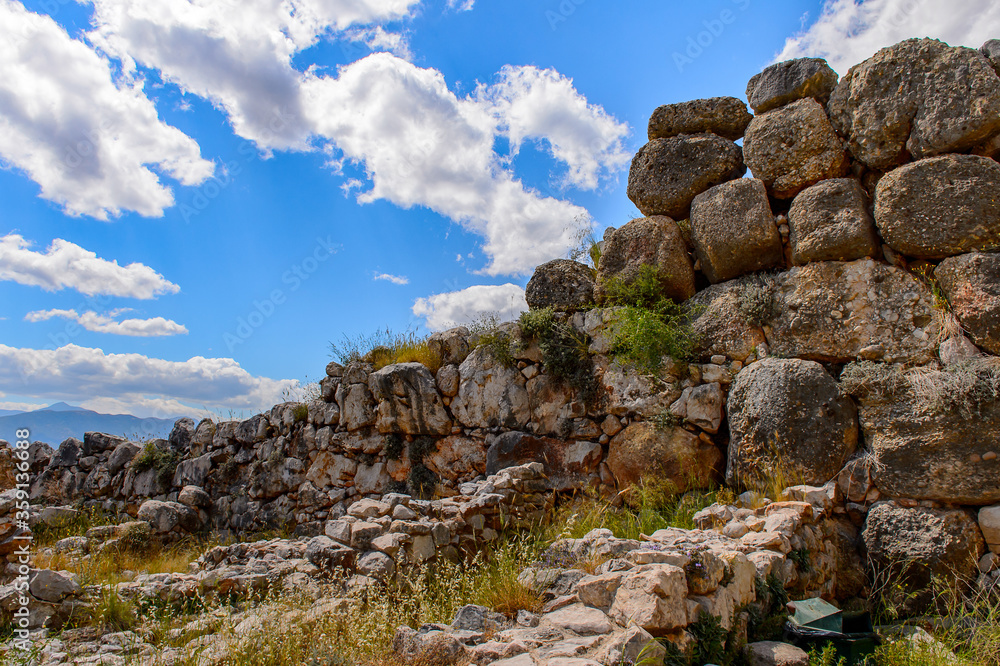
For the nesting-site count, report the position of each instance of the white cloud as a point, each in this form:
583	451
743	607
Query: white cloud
848	32
456	308
86	140
438	154
97	323
379	39
77	374
530	103
395	279
67	265
21	406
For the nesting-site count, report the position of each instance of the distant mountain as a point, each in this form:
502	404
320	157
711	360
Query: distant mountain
58	422
8	412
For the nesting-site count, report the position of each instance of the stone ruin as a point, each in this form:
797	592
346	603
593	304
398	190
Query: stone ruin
845	302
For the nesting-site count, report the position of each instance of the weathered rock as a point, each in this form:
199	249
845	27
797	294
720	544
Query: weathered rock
329	555
357	407
193	472
562	284
830	222
377	565
722	325
165	516
408	401
451	345
784	82
626	391
53	586
457	458
329	469
491	395
773	653
651	241
580	620
989	524
920	97
181	434
652	597
935	445
971	282
121	456
912	546
447	380
642	451
838	312
667	174
793	147
68	454
733	230
701	406
991	50
568	464
788	414
428	646
725	116
940	207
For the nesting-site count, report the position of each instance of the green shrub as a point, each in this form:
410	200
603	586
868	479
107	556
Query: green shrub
758	300
565	351
164	461
300	413
490	336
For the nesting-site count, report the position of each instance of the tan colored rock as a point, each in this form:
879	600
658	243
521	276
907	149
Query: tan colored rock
772	653
491	395
794	147
830	221
653	597
722	325
650	241
357	408
725	116
971	282
625	391
641	451
408	401
329	469
457	458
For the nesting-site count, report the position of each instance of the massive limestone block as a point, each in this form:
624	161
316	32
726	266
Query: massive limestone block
971	282
357	407
918	98
909	547
733	230
329	470
722	325
991	50
725	116
788	415
643	451
667	174
941	206
653	597
830	222
552	403
838	312
936	443
564	285
409	402
784	82
650	241
452	345
491	395
568	464
794	147
457	458
627	392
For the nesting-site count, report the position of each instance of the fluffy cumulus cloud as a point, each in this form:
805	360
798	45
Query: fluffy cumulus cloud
848	32
67	265
21	406
443	311
77	374
87	140
99	323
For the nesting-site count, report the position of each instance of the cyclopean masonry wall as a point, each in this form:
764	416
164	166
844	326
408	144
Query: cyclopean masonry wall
846	304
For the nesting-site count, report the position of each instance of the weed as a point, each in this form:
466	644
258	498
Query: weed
164	461
385	347
113	613
300	413
758	301
768	614
394	446
709	640
587	248
825	657
802	558
500	588
490	335
665	420
565	351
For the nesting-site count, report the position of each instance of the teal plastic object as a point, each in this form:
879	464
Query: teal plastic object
818	614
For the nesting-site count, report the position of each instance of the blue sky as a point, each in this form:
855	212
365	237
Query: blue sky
199	195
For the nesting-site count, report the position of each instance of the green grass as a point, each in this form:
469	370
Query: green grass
386	347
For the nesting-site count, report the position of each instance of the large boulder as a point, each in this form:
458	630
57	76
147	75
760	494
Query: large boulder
457	458
491	395
653	597
918	98
357	407
971	282
181	434
794	147
733	230
785	82
916	552
940	207
991	50
650	241
838	312
830	222
725	116
934	435
643	452
564	285
568	464
788	417
722	325
667	174
408	401
452	345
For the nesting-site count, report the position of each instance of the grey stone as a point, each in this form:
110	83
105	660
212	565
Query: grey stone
452	345
377	565
971	282
329	555
52	586
991	51
667	174
357	407
194	496
793	147
830	222
479	619
581	620
650	241
408	401
918	98
121	456
912	546
568	464
733	230
725	116
773	653
562	284
721	324
785	82
788	414
490	395
940	207
181	434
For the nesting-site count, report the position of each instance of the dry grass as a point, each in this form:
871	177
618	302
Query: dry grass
386	347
